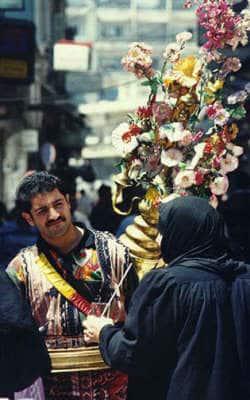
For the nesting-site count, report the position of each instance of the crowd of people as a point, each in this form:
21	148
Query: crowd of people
181	333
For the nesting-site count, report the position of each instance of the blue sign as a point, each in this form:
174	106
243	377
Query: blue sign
11	5
17	51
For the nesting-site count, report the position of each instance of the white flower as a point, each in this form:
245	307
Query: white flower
171	157
222	117
247	87
237	97
172	52
174	131
229	163
219	186
183	37
185	179
199	151
123	146
236	150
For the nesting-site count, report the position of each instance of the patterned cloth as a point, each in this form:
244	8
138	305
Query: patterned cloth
104	385
93	269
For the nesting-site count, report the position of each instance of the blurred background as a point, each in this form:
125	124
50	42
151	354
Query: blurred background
63	91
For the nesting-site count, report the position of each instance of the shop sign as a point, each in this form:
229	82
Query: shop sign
17	51
71	56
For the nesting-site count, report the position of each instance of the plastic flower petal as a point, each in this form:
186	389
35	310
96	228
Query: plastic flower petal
229	163
171	157
219	185
185	179
123	146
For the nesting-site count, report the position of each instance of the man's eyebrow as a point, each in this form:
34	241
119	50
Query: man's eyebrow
46	205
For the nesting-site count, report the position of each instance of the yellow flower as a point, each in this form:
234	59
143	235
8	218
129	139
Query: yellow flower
214	87
168	80
211	89
187	71
214	139
234	130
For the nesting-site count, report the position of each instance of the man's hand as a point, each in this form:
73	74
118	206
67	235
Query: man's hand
93	326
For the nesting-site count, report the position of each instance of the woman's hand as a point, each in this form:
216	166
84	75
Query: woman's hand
93	326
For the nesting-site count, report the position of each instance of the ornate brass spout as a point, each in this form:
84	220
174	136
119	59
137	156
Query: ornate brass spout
121	182
140	236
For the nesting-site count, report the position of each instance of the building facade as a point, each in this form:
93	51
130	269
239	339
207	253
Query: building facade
111	25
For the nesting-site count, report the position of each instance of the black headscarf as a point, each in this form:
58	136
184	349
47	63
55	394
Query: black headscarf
190	228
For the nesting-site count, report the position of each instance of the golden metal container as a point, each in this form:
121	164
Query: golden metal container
76	359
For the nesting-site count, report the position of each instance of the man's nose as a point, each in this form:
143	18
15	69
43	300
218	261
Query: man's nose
53	214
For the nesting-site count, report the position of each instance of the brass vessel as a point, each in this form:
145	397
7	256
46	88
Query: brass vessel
139	237
76	359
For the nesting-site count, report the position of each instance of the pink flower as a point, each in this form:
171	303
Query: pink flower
220	23
216	162
161	111
218	113
185	179
171	157
219	185
197	136
229	163
232	64
138	60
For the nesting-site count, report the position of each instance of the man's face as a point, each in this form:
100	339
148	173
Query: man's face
50	213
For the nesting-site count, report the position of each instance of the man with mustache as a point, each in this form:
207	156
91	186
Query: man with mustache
62	274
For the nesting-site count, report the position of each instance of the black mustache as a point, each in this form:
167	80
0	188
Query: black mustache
54	221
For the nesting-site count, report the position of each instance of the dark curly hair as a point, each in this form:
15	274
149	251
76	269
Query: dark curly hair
31	185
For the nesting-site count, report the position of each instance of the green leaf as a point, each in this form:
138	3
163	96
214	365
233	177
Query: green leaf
182	166
146	83
238	112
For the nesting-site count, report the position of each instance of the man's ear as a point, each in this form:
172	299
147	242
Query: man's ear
28	218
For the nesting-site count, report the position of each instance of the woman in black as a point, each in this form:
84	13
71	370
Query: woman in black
23	355
187	333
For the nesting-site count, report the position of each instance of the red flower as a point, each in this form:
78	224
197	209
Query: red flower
208	148
144	112
134	130
199	178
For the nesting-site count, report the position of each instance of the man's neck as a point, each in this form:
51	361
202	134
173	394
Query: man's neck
67	242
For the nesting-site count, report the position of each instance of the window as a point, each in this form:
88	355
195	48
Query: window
114	30
151	4
113	3
151	32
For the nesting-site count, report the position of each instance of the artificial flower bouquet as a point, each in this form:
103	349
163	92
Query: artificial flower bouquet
181	140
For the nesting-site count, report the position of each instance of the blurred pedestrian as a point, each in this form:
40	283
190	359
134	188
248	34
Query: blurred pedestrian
187	332
103	217
15	234
62	274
